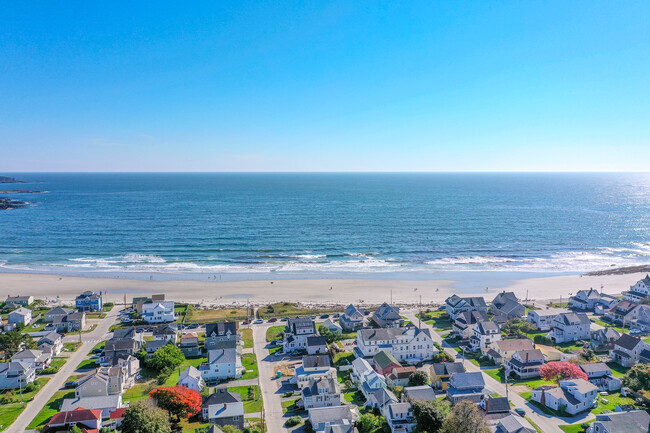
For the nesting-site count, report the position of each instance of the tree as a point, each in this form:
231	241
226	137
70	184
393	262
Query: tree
557	371
518	327
12	341
369	423
430	415
179	401
230	429
75	429
143	417
293	421
166	358
638	377
418	378
465	418
330	336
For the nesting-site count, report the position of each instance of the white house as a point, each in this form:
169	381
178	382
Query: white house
313	366
400	418
322	418
332	326
569	327
601	375
106	404
463	325
222	364
410	344
574	396
388	316
21	316
525	363
543	319
224	408
158	312
352	319
585	299
35	358
191	378
321	392
484	334
634	421
16	374
506	305
627	350
467	386
638	291
296	333
51	341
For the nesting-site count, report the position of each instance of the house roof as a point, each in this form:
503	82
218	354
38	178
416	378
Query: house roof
605	334
341	428
471	317
514	344
472	301
154	345
74	416
191	372
222	356
52	336
515	424
383	359
99	402
635	421
573	318
113	345
497	405
402	372
595	367
316	340
221	328
221	396
123	334
627	341
22	311
59	311
487	327
549	311
311	361
503	298
468	380
117	413
583	386
321	383
387	312
333	414
447	368
419	393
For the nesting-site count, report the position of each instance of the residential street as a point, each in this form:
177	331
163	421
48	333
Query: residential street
268	385
58	380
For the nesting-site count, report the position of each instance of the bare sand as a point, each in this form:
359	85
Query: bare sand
307	291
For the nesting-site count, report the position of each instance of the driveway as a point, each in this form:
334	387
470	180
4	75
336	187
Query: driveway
58	380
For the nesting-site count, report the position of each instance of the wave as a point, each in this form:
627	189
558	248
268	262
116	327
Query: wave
349	262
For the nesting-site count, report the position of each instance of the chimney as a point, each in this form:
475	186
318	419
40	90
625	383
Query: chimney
526	356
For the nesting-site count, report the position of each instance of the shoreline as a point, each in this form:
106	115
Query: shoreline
316	291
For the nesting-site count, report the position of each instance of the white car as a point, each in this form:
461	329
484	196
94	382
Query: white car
258	321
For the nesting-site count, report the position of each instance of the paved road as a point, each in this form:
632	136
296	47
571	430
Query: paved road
89	340
546	422
268	384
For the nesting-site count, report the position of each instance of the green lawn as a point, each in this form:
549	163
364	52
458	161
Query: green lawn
108	306
573	428
247	337
439	319
608	325
55	366
497	374
51	408
290	406
249	360
139	391
613	401
343	358
71	347
617	370
250	396
87	364
173	378
275	349
275	333
99	345
354	397
12	407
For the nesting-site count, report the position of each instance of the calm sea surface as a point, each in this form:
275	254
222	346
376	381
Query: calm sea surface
326	223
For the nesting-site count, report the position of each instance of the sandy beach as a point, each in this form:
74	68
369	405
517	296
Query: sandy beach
308	291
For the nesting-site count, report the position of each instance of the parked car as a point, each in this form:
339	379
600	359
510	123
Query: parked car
71	384
324	316
285	319
98	350
139	330
258	321
337	315
192	326
245	322
519	411
273	319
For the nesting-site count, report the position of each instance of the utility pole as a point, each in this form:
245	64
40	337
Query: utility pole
420	314
391	296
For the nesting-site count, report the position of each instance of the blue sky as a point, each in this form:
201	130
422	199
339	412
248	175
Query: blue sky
325	86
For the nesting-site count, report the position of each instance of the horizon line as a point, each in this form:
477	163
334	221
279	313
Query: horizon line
337	172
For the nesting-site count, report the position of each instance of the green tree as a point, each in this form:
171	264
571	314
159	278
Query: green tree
418	378
330	336
430	415
638	377
11	342
369	423
518	327
166	358
230	429
75	429
143	417
465	418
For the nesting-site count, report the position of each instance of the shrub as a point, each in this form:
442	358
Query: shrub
293	421
543	340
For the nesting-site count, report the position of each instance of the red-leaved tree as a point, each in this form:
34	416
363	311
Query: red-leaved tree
179	401
557	371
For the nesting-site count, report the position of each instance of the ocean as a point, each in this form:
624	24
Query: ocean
255	225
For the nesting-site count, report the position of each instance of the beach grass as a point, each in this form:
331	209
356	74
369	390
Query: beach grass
224	314
289	309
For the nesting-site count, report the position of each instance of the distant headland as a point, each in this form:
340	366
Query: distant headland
5	179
